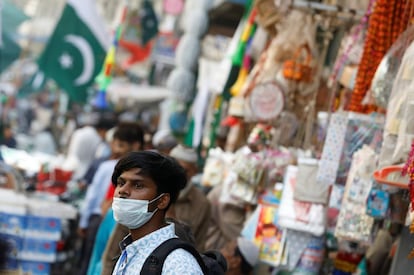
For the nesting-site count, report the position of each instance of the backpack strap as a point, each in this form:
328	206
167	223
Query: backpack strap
155	261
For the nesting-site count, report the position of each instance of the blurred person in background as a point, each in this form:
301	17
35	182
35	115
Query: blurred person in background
226	220
164	141
8	138
192	206
241	255
88	143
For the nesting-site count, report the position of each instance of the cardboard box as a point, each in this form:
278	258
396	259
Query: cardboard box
38	250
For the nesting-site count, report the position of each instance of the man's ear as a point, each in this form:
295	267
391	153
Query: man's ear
164	201
137	146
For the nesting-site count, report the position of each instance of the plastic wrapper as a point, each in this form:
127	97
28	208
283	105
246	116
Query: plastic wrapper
386	73
398	132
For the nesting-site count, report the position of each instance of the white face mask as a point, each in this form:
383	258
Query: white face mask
132	213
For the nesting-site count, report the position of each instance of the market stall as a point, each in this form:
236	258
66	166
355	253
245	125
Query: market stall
306	131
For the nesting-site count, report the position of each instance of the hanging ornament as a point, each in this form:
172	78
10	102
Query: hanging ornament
141	27
266	100
173	7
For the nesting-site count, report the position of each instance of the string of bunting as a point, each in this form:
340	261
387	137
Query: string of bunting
105	77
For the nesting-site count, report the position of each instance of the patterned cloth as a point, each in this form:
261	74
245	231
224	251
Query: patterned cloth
134	255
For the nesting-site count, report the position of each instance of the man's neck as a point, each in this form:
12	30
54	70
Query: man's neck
148	228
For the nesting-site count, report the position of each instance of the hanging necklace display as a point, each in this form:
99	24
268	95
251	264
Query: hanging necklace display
266	100
388	20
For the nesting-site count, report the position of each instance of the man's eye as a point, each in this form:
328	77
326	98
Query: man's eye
120	183
138	185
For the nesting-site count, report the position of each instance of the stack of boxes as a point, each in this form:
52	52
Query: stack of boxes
31	231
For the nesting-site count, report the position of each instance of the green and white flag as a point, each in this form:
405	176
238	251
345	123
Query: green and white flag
34	84
76	50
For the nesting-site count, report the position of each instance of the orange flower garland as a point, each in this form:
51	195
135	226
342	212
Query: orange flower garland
388	20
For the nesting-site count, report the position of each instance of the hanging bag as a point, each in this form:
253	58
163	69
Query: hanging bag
299	67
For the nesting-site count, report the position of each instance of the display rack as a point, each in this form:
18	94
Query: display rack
325	7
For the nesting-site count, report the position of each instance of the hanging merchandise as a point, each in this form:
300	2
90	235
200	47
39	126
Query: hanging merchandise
298	28
215	168
347	133
307	188
297	215
398	131
260	137
299	67
377	203
270	13
382	83
263	229
249	171
351	49
269	235
409	170
388	20
266	101
353	222
312	257
296	243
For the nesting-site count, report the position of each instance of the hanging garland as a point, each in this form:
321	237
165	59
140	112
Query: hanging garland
389	19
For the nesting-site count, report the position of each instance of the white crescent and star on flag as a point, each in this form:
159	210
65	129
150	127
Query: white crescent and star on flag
66	60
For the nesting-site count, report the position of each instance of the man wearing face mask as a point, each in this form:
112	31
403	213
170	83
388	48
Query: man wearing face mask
192	206
147	183
127	137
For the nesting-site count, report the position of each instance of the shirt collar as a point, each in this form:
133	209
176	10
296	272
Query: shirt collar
148	242
125	242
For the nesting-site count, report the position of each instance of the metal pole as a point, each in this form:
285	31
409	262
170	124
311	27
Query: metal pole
325	7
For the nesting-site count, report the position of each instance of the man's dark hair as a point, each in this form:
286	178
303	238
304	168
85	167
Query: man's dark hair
167	174
129	132
105	121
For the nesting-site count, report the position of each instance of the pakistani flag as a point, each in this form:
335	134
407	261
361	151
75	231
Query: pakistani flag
76	49
34	84
9	51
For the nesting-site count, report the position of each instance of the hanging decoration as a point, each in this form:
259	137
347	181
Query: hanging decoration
299	67
181	81
105	77
135	34
409	170
388	20
141	27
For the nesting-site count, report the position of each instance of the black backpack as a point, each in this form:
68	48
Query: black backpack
211	262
